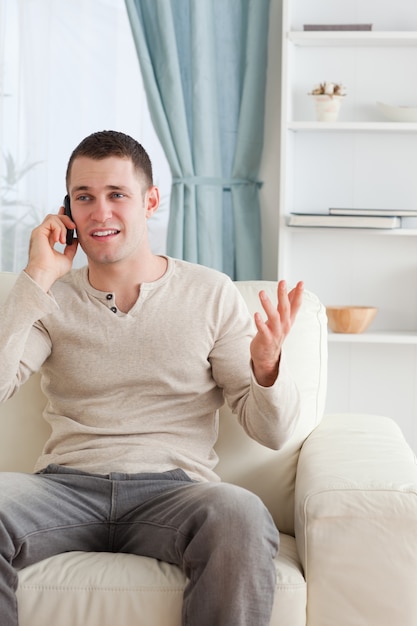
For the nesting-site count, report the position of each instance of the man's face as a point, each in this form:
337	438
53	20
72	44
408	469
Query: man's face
110	207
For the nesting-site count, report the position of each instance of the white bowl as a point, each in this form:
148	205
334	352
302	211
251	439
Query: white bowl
398	113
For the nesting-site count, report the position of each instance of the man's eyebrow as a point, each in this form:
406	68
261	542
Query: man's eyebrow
108	187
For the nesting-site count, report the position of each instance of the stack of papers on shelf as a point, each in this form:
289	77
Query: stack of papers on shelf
392	212
408	217
356	218
344	221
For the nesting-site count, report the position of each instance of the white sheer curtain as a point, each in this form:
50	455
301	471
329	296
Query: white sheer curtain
67	68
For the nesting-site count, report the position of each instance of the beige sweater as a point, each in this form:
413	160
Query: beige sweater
139	392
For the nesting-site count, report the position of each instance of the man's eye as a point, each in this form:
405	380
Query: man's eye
83	198
118	194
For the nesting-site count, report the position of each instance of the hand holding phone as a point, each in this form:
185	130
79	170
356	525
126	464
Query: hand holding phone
47	262
67	210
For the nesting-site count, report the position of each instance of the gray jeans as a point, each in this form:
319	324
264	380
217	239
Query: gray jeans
220	535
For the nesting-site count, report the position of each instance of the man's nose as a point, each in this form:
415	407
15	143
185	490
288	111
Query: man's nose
101	210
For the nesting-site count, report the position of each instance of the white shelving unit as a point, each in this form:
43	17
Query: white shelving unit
361	161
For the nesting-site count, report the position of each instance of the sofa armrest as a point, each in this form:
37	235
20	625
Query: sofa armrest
356	523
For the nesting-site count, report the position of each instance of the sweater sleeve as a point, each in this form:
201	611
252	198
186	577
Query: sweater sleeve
24	344
267	414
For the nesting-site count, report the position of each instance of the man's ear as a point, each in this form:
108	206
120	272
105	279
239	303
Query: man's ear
151	201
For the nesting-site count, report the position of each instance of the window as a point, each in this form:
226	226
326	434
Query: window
67	69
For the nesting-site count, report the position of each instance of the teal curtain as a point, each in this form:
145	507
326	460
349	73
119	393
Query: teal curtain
204	69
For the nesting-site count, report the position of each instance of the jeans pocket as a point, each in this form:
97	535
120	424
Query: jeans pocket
178	474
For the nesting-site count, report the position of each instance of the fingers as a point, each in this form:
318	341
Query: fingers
58	232
295	298
267	305
261	326
267	343
51	231
283	315
46	263
284	306
56	227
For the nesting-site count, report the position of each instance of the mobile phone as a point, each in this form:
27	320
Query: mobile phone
67	210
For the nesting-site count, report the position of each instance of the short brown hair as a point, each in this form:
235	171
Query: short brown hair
108	143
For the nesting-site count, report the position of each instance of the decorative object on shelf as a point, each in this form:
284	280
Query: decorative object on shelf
398	113
337	27
350	319
327	100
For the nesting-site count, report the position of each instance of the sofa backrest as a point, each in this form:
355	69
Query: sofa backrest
270	474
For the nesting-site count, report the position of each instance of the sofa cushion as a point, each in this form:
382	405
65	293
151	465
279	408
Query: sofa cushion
102	589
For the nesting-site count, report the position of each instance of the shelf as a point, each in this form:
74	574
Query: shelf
402	232
353	127
393	337
353	38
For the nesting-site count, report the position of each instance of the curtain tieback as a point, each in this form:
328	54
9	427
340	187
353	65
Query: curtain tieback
225	183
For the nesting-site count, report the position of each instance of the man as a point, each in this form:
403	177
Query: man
137	352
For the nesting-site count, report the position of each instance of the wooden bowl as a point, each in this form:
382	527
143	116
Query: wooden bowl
350	319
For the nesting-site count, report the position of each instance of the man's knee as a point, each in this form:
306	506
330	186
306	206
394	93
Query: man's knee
235	516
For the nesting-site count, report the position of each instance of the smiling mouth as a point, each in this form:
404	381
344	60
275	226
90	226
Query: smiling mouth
105	233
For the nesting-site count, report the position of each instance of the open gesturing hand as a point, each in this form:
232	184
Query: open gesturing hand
265	348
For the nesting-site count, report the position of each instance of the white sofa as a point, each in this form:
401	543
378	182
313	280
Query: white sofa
342	493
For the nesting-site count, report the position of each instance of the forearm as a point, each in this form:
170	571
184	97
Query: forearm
269	414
